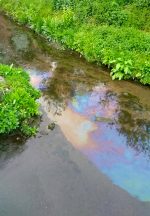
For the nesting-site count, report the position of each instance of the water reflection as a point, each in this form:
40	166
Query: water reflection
101	118
111	129
38	78
134	123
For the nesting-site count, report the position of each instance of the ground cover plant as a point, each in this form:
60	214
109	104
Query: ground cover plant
17	101
114	33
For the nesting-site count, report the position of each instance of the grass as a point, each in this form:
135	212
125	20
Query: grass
113	33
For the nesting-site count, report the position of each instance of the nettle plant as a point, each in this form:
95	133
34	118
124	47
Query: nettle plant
120	68
145	73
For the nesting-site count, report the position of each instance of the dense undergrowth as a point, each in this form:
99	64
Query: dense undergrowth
17	101
114	33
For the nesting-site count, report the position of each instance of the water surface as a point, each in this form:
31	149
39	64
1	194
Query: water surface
107	121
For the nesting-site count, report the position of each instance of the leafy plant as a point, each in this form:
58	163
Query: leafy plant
115	33
18	101
121	69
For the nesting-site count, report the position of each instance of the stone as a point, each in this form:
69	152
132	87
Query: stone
51	126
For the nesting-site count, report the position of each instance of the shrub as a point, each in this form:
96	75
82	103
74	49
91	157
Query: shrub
17	101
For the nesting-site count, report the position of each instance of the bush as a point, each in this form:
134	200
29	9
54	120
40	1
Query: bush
17	101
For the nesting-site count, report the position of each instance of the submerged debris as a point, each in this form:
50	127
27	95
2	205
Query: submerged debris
103	119
51	126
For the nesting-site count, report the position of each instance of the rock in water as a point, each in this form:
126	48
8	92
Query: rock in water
51	126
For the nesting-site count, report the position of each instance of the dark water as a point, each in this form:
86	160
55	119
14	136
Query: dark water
106	170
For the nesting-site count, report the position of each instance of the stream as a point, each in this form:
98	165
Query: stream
96	161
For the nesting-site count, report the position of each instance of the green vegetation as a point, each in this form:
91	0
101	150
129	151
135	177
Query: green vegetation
114	33
17	101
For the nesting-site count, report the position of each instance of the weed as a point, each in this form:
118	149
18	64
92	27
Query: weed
17	101
115	33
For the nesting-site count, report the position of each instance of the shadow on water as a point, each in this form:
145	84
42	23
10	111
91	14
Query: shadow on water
10	147
108	121
134	123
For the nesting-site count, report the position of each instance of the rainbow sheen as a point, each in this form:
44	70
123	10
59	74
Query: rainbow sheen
38	78
110	151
